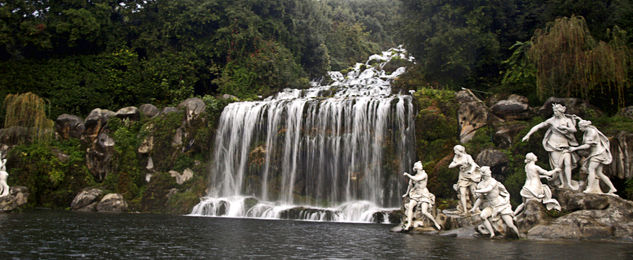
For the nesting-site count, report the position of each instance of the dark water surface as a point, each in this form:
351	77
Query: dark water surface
51	234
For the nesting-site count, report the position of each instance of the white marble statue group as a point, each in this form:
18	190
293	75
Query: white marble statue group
479	192
4	187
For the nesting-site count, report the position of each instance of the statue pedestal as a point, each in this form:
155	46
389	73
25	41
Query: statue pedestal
17	197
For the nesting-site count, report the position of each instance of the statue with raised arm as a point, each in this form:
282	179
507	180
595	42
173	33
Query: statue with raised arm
419	196
468	173
599	155
534	189
557	141
4	187
495	202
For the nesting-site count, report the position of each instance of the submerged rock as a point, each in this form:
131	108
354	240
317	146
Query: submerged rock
86	200
18	196
112	203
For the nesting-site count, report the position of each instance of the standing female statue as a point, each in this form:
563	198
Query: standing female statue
466	183
558	138
599	155
419	195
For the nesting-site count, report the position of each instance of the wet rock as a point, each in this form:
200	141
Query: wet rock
148	110
193	108
18	196
515	107
594	216
532	215
94	123
130	113
112	203
450	220
574	106
67	126
622	152
86	200
472	114
574	200
497	160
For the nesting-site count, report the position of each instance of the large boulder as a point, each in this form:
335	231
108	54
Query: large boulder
497	160
86	200
193	108
472	114
167	110
112	203
574	106
593	216
67	126
534	213
622	152
94	122
18	196
148	110
514	107
131	113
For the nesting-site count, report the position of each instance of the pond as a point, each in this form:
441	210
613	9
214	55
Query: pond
58	234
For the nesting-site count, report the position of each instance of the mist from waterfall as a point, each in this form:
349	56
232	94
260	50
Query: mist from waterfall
333	152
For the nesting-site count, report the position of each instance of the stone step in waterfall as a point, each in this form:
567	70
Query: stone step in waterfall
333	152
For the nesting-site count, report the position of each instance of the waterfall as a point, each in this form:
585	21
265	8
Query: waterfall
333	152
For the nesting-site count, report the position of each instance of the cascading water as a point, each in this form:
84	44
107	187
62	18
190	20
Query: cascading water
333	152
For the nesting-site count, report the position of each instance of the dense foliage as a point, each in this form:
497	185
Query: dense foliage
85	54
483	45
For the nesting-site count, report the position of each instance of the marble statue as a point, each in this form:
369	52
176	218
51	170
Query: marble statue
533	189
557	141
599	155
419	196
468	173
495	202
4	187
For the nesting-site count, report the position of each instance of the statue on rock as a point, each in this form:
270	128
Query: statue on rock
4	187
557	141
495	200
419	196
533	189
468	174
599	155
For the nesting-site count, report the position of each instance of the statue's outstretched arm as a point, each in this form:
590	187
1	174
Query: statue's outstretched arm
534	129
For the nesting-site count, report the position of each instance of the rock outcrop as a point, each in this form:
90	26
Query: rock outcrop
148	110
67	126
112	203
18	196
497	160
129	113
512	108
622	152
472	114
593	216
86	200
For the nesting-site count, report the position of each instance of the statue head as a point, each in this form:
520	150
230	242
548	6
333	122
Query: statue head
530	157
558	109
459	149
417	166
583	124
485	171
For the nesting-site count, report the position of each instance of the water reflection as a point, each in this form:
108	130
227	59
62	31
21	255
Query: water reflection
46	234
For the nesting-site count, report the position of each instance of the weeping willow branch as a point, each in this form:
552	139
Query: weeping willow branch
28	110
569	62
